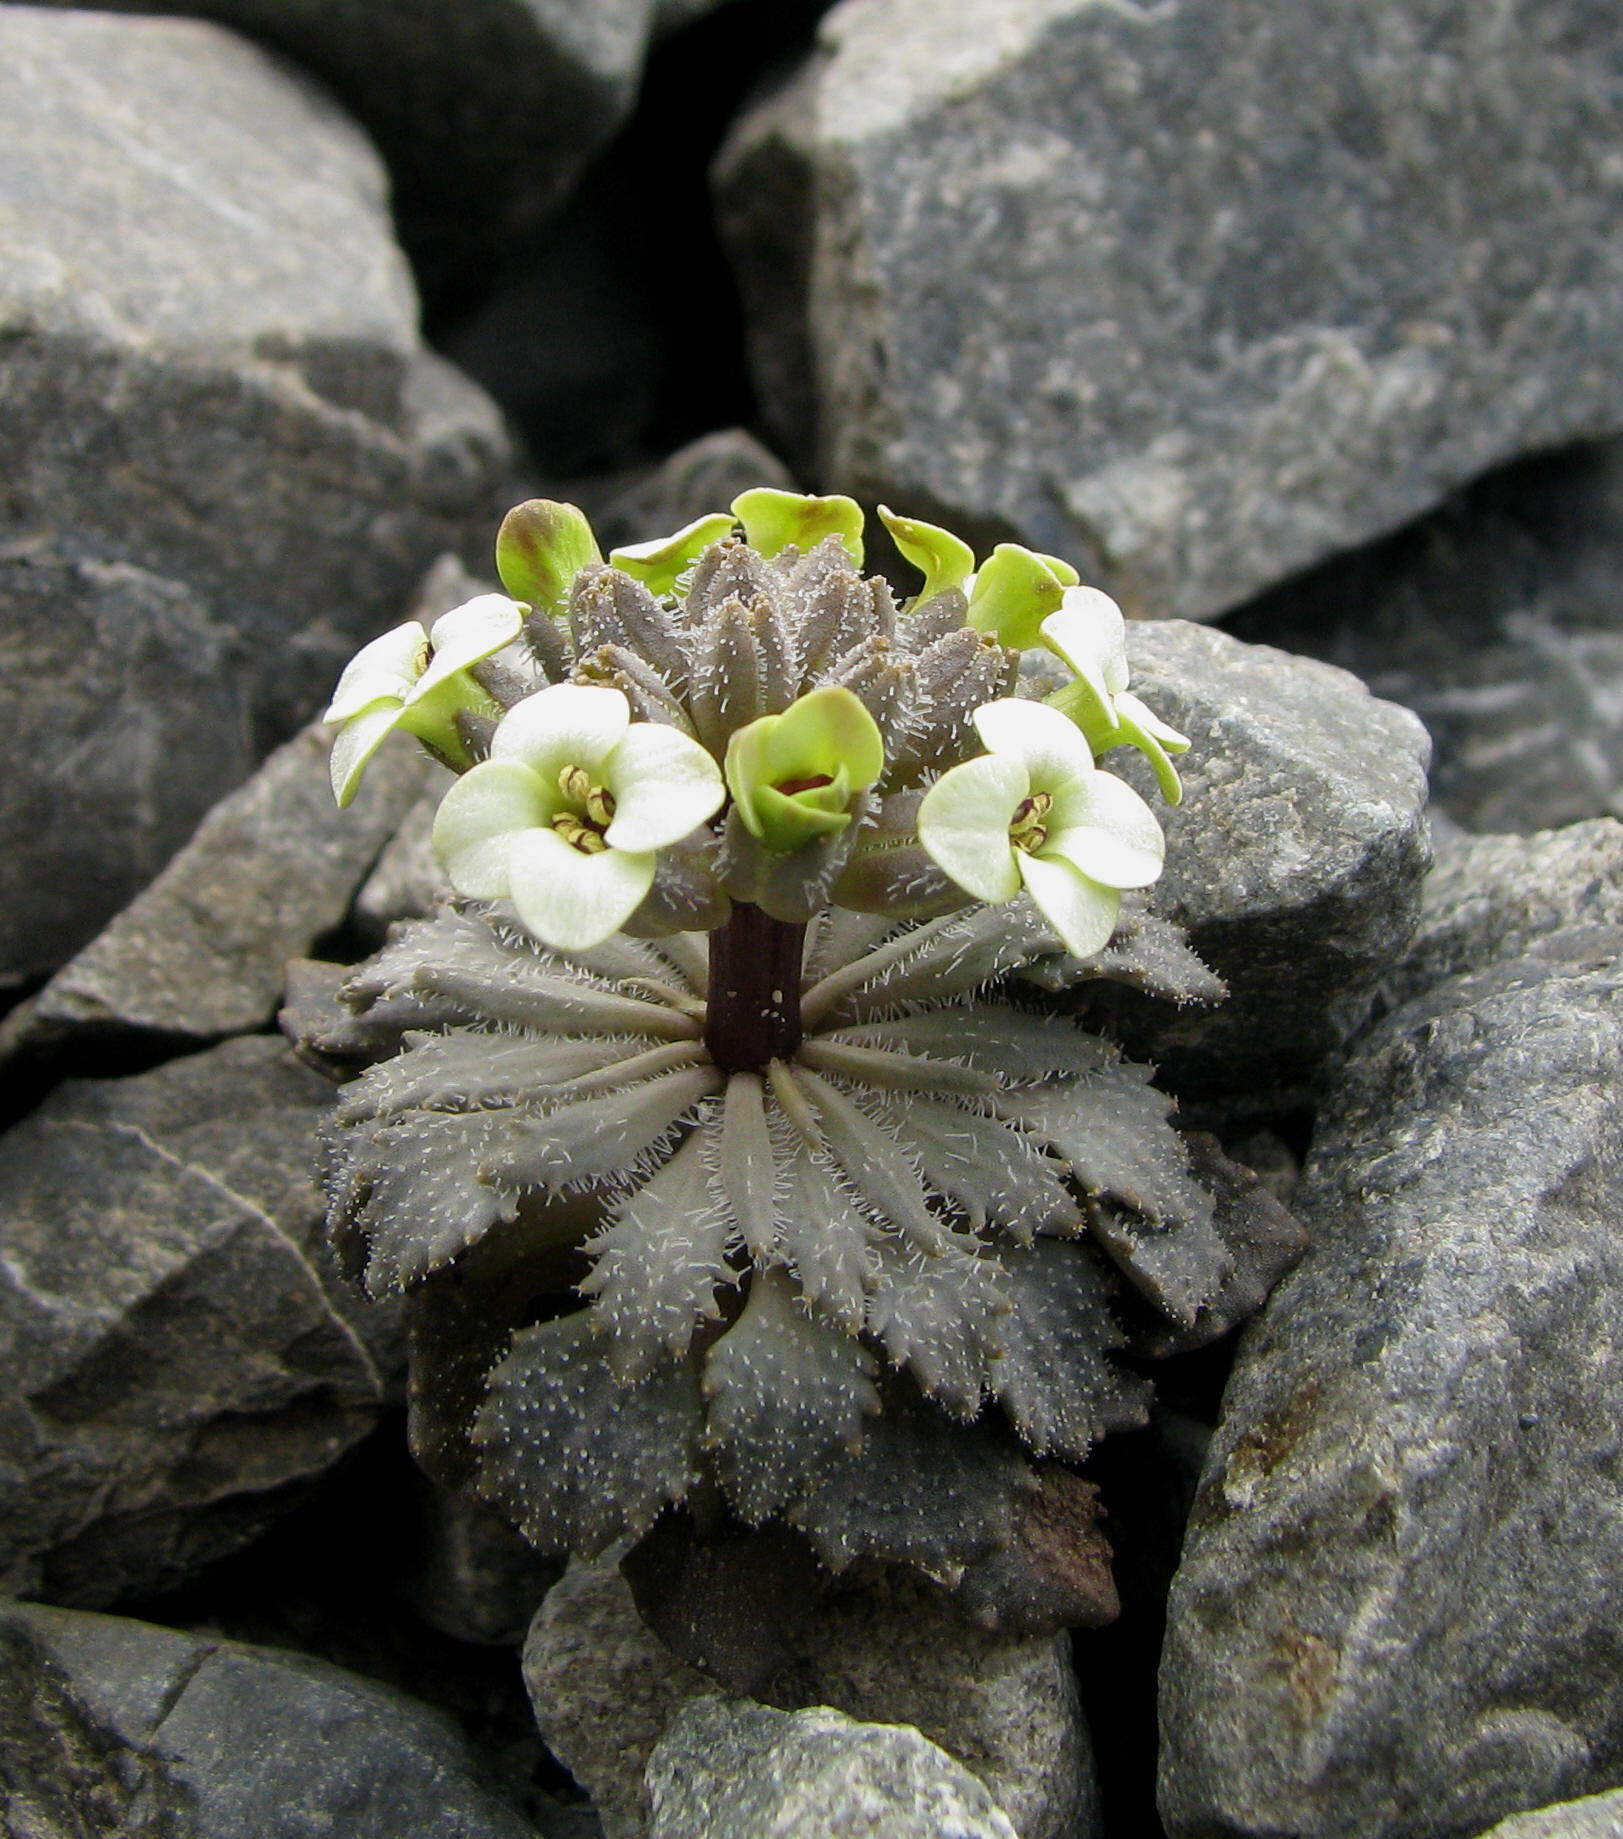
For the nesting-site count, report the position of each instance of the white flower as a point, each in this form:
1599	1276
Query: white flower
1089	633
416	680
1035	812
566	815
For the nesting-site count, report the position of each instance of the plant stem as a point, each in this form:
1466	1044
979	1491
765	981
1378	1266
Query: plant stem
753	1013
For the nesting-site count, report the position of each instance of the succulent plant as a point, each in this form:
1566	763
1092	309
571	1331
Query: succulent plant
711	1125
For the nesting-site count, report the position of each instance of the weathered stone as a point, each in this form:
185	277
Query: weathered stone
731	1769
1397	1609
1294	862
203	951
236	1742
1597	1816
1489	898
886	1651
467	1573
1496	620
485	112
1194	297
181	1357
604	1688
228	456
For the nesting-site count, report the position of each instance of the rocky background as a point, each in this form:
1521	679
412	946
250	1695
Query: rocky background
1299	322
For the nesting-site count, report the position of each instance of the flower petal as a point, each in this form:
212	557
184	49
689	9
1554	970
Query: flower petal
964	823
1081	911
1104	829
1090	634
389	666
478	818
664	783
356	742
1129	708
566	724
468	633
1046	743
570	900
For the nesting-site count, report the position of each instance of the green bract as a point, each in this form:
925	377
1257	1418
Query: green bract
792	775
945	560
541	546
660	564
417	680
1015	591
773	520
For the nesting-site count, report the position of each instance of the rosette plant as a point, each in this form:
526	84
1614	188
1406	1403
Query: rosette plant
726	1157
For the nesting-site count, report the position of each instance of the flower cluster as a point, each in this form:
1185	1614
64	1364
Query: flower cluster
698	672
702	1128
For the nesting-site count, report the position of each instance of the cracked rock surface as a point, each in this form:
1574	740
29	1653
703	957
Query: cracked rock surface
181	1357
1193	296
228	455
1397	1608
169	1735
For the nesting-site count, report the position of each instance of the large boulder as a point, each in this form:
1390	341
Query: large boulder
1398	1604
181	1358
228	456
1192	295
486	111
1499	620
168	1735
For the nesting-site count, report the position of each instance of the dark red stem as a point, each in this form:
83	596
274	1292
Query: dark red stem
754	1001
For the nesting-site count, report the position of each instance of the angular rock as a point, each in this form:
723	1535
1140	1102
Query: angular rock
467	1573
211	1739
228	456
1496	620
1194	298
181	1357
1489	898
886	1652
203	951
1397	1606
1294	862
485	113
731	1769
1597	1816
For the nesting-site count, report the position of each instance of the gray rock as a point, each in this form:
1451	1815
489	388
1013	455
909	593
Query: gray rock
486	112
605	1688
1597	1816
203	951
228	456
181	1358
467	1573
1489	898
238	1742
1497	621
731	1769
1193	297
1397	1608
1295	860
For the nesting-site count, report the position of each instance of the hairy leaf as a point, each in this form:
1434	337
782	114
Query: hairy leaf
577	1459
659	1262
600	1137
829	1242
1053	1378
941	1318
783	1392
922	1491
1023	1049
995	1173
